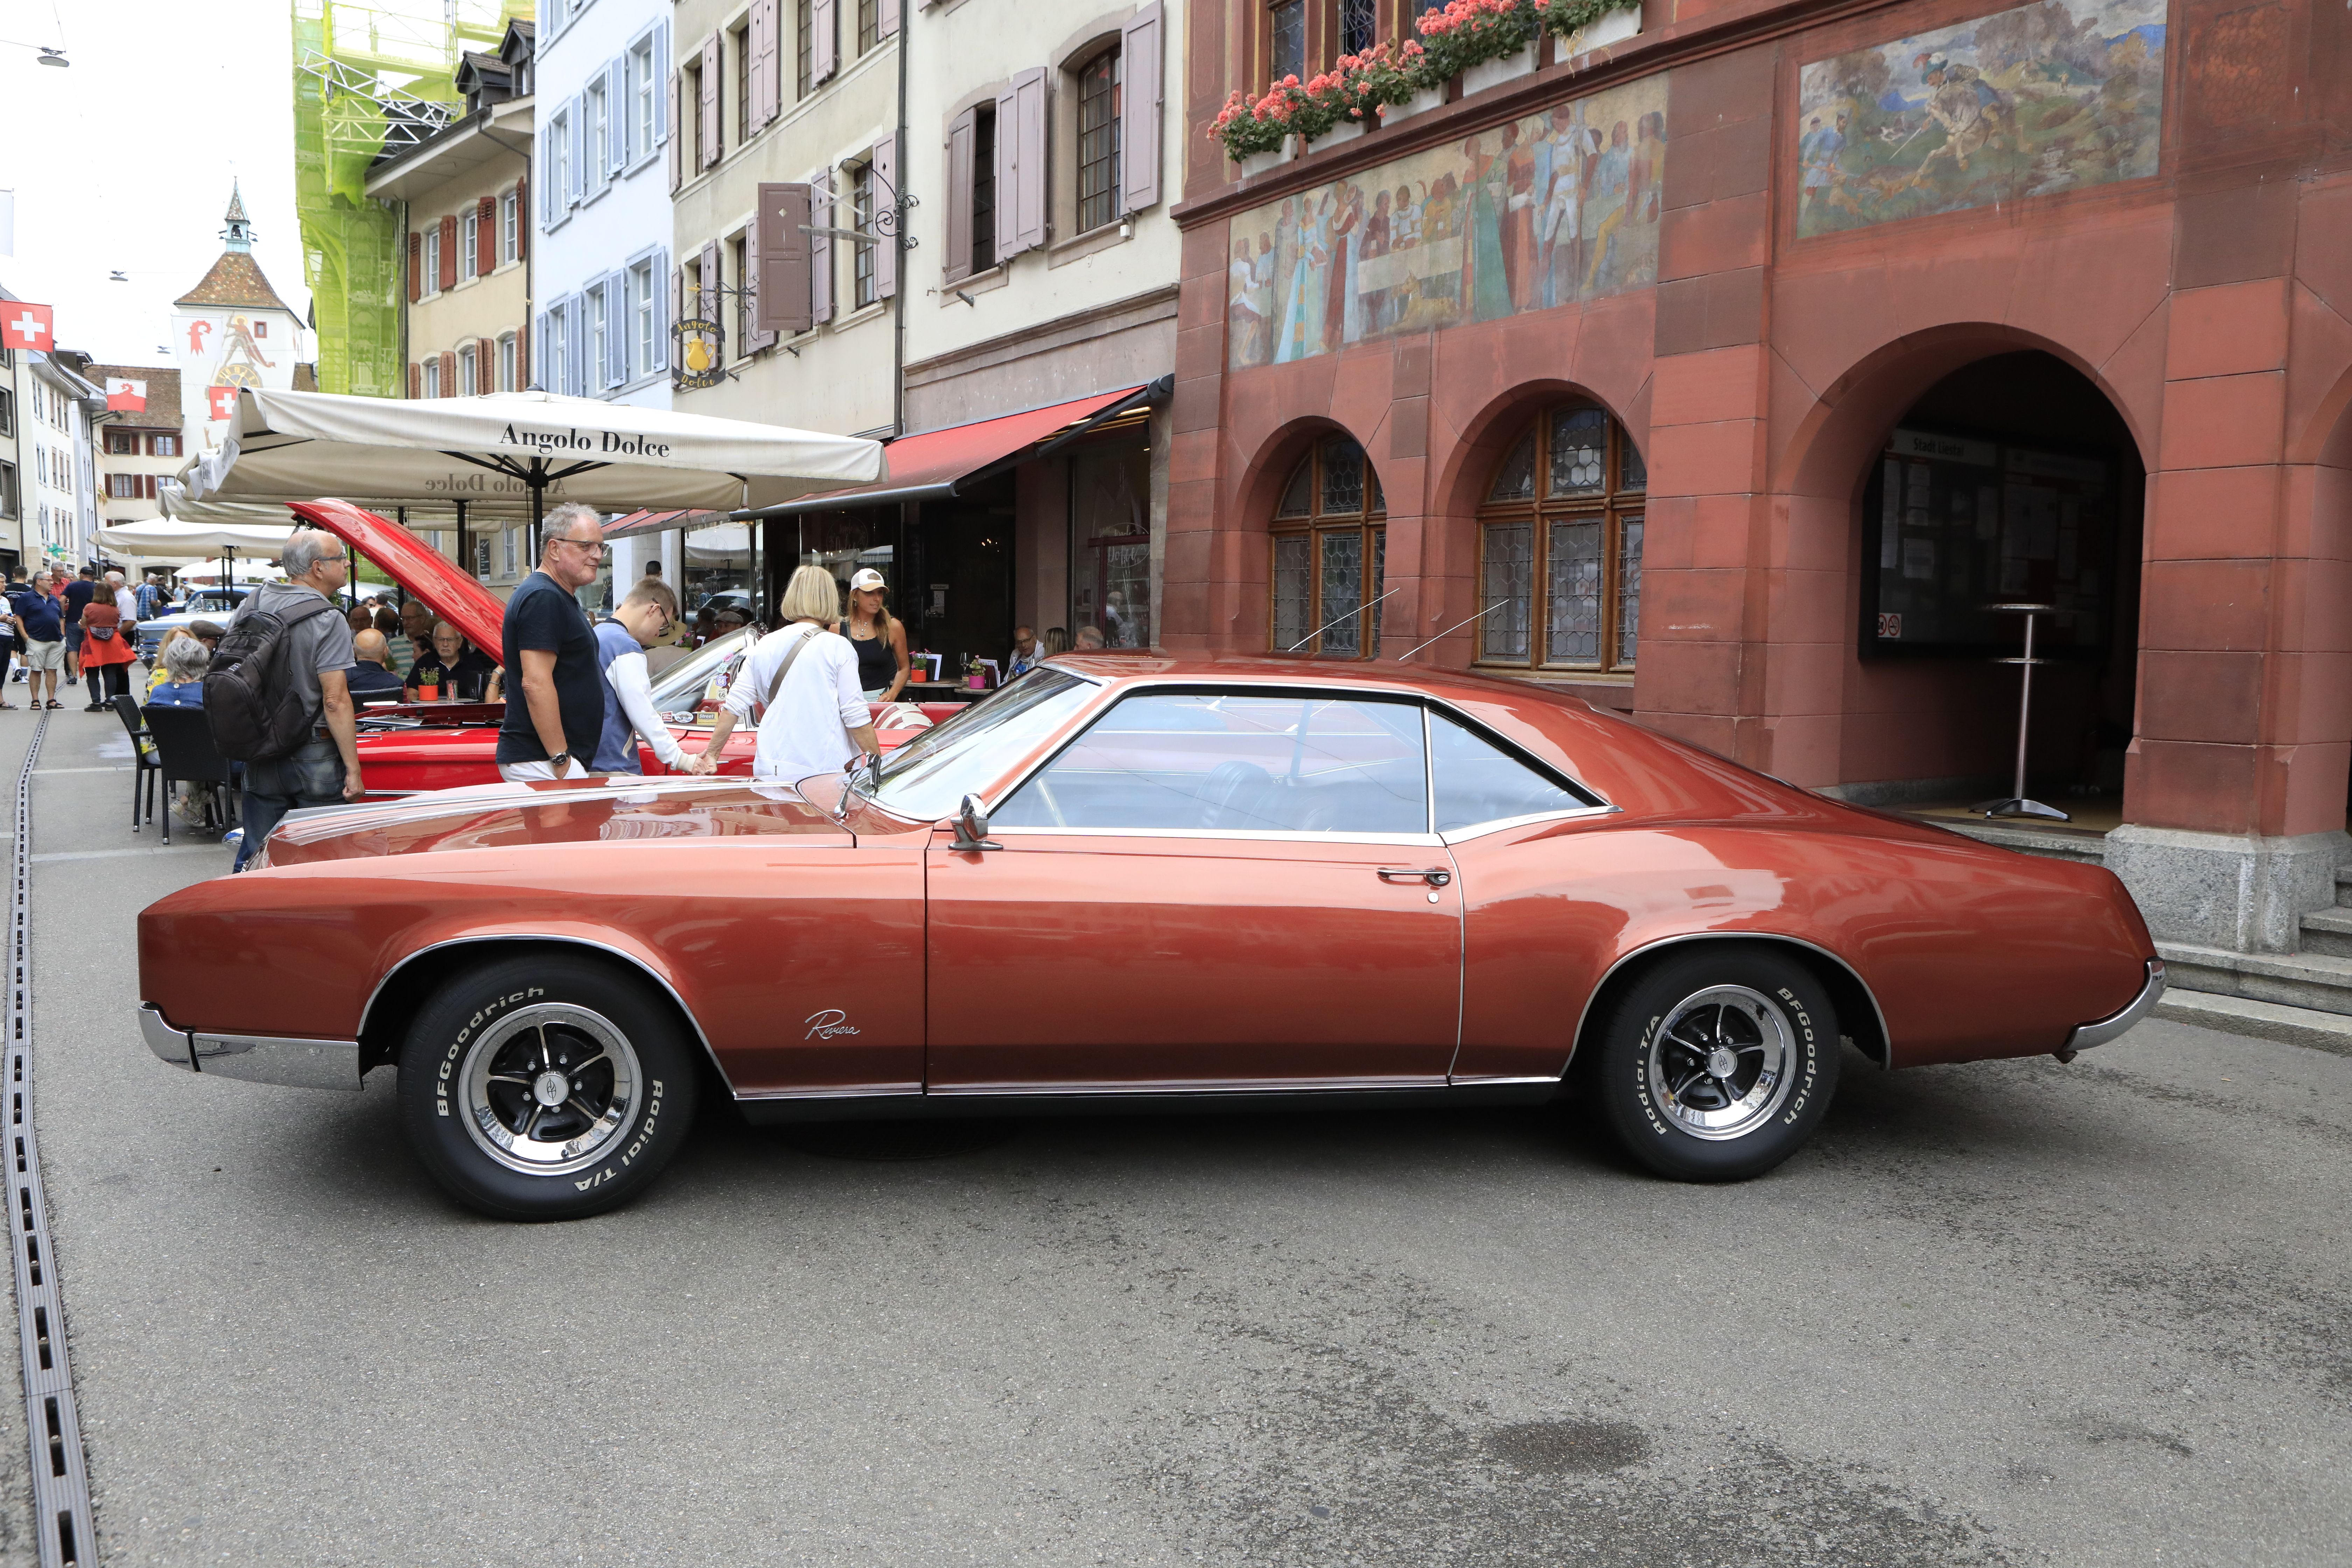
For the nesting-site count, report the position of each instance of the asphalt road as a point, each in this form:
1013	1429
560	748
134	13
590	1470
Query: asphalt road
2016	1312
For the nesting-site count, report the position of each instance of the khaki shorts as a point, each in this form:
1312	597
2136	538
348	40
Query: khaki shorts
41	656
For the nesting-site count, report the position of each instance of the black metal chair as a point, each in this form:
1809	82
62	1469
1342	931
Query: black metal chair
185	749
143	751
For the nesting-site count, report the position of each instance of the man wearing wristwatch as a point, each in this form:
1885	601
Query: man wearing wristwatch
555	702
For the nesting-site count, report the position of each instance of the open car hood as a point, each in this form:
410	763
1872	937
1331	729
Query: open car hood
425	572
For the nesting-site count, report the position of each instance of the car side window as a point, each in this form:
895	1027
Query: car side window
1223	762
1479	782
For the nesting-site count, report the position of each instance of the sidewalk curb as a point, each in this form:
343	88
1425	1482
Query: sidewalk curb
2260	1020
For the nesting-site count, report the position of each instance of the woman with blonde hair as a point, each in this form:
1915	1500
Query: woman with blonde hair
816	720
880	638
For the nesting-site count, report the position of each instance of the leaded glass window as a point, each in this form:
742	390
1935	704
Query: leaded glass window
1560	546
1286	38
1330	549
1357	20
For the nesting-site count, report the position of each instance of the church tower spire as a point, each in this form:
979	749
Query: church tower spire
239	233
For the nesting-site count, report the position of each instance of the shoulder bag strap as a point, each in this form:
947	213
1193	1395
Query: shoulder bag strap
786	667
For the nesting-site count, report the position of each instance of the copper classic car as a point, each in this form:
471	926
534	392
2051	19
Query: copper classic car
1135	883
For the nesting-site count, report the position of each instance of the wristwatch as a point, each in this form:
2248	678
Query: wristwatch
557	761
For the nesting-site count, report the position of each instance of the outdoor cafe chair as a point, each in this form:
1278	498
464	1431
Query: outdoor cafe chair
143	751
183	746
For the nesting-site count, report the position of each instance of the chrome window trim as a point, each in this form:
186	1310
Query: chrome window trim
1584	1012
1249	835
635	962
1478	830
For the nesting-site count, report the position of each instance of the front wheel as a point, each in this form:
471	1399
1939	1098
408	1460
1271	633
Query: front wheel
545	1087
1718	1063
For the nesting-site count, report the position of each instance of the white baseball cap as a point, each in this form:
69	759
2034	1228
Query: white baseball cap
866	578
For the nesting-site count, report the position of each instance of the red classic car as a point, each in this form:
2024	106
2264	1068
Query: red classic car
1132	882
406	748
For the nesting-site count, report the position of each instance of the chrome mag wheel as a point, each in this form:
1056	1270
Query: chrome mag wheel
1720	1064
550	1088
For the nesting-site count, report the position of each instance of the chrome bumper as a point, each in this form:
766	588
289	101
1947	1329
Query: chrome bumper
2085	1036
255	1059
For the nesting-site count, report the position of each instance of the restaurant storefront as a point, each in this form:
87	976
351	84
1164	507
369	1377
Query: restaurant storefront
1727	381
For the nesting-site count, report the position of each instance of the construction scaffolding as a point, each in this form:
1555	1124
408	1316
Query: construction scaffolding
368	78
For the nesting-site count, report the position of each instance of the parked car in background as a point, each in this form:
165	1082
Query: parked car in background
215	605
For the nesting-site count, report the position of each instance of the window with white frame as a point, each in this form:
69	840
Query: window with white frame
507	362
559	178
431	281
644	326
467	383
469	243
432	376
510	228
556	354
599	338
507	539
642	106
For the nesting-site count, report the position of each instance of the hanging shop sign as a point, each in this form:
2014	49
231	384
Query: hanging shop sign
700	358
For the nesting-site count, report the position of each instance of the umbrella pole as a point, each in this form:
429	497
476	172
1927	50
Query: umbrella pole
464	560
537	480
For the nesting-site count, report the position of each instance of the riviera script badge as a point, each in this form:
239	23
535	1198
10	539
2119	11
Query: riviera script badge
825	1026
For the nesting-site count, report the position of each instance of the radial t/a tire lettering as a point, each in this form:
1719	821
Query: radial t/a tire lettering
1717	1063
545	1086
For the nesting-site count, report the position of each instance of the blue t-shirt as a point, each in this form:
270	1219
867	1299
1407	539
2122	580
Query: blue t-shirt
177	694
617	748
42	621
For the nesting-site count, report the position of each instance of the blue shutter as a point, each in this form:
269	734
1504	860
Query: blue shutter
575	128
617	117
576	341
661	84
616	328
661	311
535	374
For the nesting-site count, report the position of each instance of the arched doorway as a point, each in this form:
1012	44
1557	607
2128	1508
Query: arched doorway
2011	479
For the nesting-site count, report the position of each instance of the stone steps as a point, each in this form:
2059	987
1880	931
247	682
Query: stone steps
2312	980
2261	1020
2328	932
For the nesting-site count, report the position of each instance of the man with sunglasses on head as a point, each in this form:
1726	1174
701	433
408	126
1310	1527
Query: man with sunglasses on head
556	699
638	622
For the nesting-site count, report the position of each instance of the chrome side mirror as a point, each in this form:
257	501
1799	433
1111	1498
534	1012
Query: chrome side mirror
972	825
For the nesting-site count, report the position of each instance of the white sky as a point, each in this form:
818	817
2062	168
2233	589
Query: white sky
124	160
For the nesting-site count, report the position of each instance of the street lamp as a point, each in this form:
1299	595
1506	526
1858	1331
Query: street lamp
57	58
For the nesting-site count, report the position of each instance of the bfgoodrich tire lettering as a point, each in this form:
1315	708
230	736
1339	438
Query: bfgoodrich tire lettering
1717	1063
545	1086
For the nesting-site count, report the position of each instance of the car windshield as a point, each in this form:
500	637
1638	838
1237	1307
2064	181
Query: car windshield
929	775
690	690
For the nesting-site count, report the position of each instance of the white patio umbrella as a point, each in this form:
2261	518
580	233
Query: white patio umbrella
178	540
518	449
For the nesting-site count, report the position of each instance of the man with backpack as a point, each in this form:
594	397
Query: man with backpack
276	693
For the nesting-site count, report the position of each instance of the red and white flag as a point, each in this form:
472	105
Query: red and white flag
223	405
24	326
125	396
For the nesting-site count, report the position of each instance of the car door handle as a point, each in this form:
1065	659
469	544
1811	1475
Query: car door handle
1435	876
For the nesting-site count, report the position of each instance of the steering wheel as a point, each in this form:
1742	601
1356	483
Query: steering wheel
1228	785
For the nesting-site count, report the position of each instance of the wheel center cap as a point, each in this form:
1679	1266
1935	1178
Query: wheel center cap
550	1088
1720	1063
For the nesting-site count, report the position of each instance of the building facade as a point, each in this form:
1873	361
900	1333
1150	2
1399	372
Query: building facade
1729	374
11	456
60	476
138	441
601	271
230	330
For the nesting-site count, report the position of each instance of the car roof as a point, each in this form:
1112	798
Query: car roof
1259	670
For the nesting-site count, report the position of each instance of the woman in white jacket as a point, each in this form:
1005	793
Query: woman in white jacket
817	720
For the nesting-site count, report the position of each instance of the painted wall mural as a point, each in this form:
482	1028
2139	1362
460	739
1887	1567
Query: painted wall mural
2049	96
1546	210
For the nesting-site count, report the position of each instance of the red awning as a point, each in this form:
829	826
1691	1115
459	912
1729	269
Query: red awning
928	466
415	565
659	522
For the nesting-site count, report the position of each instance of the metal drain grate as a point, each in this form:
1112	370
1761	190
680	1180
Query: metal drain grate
60	1474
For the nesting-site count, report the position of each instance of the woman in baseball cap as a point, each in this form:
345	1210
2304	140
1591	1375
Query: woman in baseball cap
880	638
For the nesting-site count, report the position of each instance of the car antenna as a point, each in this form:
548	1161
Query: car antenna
1451	630
1319	631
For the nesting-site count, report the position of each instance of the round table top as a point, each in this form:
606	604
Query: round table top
2022	609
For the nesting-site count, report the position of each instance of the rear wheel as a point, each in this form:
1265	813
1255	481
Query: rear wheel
545	1087
1717	1063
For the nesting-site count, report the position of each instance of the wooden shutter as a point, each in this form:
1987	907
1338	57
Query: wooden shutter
670	125
821	248
523	377
710	132
449	251
767	87
963	135
709	301
486	365
486	235
1139	111
825	49
780	262
1021	165
886	23
416	271
448	373
886	196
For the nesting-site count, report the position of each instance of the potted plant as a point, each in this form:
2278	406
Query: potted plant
1583	25
1390	82
1256	134
1484	42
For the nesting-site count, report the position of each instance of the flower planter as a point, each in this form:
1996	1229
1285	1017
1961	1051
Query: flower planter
1612	28
1345	131
1259	162
1496	72
1421	102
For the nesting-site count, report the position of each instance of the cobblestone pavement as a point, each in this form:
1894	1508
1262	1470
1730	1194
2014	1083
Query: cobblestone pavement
2015	1312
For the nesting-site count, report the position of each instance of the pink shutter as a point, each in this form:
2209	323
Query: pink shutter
781	260
886	23
709	301
1021	165
710	145
677	147
448	373
1139	111
767	24
449	252
821	248
886	196
825	49
962	135
486	235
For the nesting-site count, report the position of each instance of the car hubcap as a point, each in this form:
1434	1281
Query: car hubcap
550	1088
1719	1067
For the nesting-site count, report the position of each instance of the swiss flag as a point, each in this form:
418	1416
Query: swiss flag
223	402
24	326
124	396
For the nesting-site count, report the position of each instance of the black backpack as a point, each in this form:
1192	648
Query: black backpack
255	712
